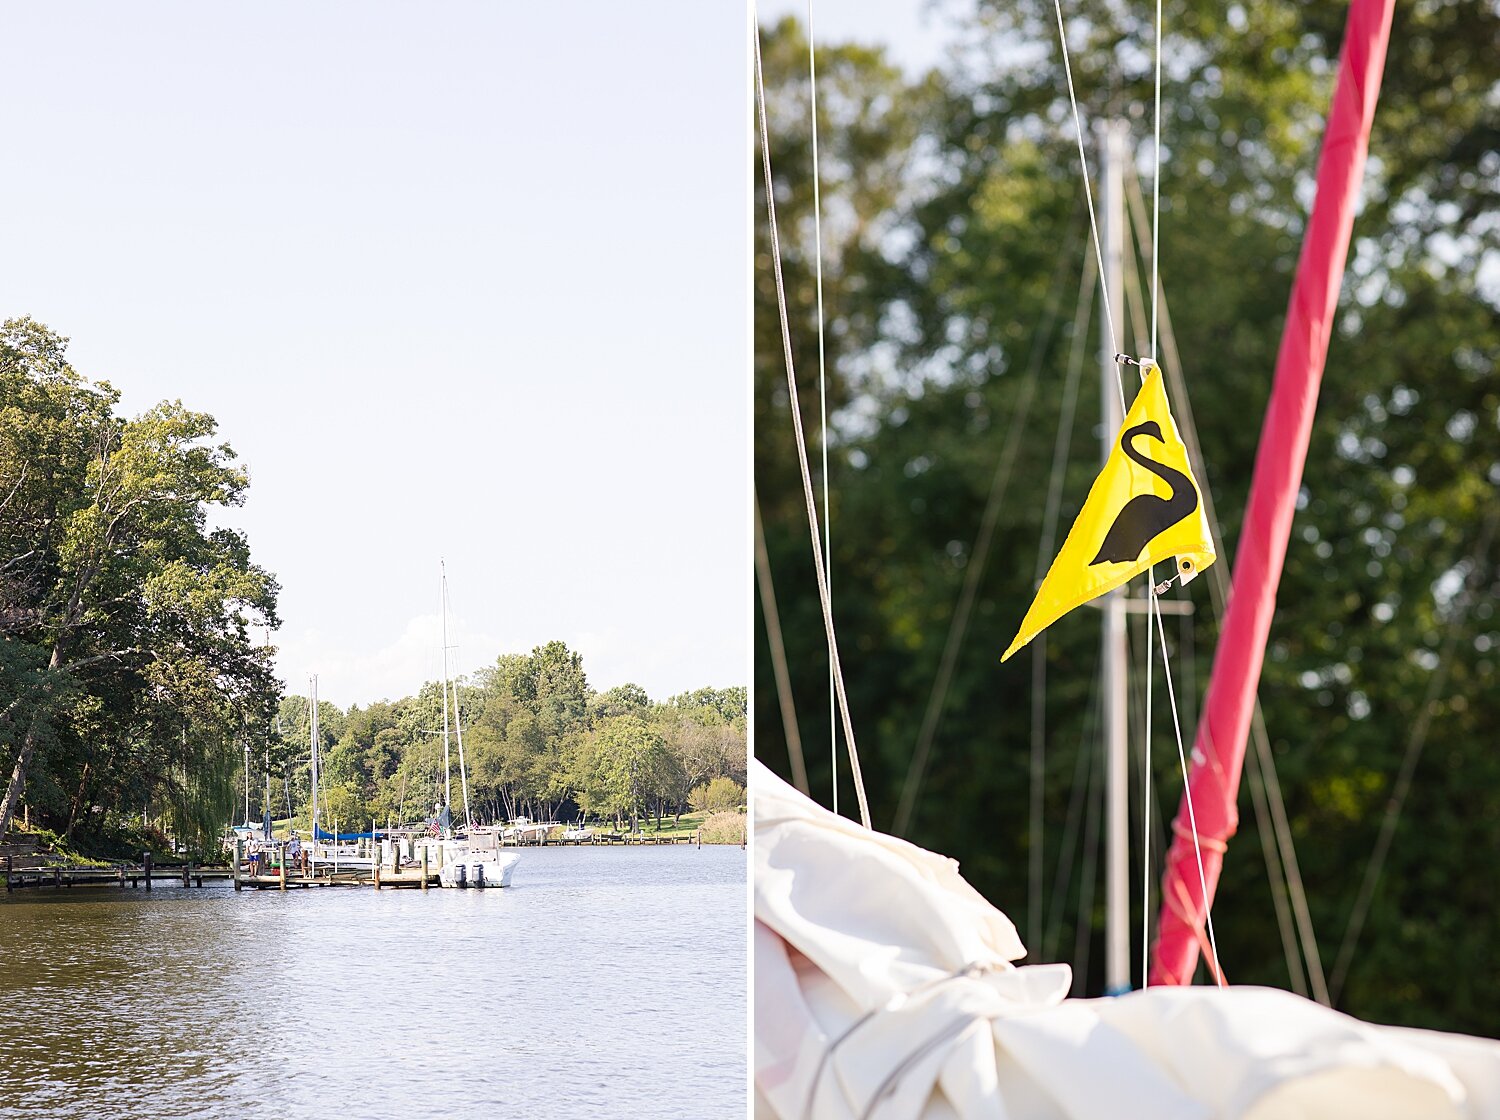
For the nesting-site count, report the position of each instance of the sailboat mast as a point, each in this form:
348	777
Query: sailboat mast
458	723
463	769
447	761
1112	155
312	736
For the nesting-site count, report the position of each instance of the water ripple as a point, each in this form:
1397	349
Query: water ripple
600	980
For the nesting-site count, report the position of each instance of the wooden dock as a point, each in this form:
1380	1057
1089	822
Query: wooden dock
113	875
321	875
325	877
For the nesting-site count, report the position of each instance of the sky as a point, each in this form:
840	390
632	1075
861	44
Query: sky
461	282
915	33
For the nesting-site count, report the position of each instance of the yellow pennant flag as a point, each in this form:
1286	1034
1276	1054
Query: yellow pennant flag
1144	507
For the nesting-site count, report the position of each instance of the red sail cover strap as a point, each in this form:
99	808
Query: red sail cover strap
1219	751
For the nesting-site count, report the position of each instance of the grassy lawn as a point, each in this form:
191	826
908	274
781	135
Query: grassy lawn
688	826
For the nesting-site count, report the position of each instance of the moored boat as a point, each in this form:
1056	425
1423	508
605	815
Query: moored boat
475	859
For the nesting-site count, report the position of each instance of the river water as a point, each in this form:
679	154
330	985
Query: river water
602	982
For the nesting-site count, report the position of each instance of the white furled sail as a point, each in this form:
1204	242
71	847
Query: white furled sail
884	987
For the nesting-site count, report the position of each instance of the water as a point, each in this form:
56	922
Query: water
602	982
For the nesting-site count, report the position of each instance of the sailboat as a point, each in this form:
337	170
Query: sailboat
339	850
886	986
473	857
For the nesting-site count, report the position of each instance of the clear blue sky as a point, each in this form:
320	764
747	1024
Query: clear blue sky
461	280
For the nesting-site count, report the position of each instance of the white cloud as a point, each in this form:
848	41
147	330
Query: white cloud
393	670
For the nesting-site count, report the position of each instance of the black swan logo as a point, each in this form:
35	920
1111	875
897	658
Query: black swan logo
1146	515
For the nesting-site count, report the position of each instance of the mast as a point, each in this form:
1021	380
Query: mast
247	778
463	770
312	733
1112	138
1219	748
458	723
447	762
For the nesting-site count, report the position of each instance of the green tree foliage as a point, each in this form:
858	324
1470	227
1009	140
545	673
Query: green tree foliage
624	699
616	766
933	321
130	675
537	740
718	796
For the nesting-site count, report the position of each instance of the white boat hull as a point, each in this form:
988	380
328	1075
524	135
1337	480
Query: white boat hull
479	871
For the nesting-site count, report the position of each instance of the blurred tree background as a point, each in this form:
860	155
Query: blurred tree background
954	238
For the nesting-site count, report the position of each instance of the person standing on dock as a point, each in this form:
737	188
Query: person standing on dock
294	852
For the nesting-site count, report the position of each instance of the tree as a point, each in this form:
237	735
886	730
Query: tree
718	796
139	611
623	699
618	767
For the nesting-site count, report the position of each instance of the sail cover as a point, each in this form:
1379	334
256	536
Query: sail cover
885	986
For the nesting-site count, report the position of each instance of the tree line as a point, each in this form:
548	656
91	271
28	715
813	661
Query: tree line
537	742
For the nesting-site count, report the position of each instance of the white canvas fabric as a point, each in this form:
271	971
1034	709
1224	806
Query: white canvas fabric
885	987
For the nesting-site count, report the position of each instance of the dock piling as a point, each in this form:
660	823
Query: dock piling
239	851
146	868
424	867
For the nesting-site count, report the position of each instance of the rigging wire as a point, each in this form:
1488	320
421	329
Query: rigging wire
1156	191
1208	913
812	86
1146	802
999	484
795	401
1151	572
1088	193
778	655
1134	301
1151	810
1219	595
1257	783
1414	747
